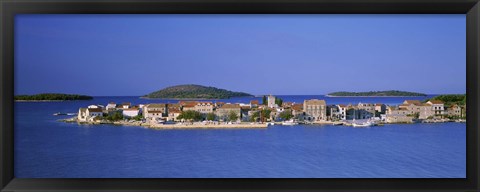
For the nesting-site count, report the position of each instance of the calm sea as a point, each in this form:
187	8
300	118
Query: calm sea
45	148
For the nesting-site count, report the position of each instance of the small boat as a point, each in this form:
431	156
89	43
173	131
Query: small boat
290	122
337	123
56	114
71	114
361	124
270	123
365	124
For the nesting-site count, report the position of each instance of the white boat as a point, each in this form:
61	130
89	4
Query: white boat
361	124
71	113
337	123
290	122
364	124
270	123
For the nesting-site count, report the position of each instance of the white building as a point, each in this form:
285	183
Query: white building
82	114
342	111
125	105
438	107
132	112
154	111
111	106
88	114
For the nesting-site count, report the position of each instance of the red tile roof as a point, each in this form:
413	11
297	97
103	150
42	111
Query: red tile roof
95	110
415	102
230	106
174	110
436	102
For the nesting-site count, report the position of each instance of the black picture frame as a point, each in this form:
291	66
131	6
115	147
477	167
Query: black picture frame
9	8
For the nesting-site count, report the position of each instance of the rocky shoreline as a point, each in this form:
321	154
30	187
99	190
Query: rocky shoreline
170	126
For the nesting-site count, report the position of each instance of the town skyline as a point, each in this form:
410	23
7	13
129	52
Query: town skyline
126	55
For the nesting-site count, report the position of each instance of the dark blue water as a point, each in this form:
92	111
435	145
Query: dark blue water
45	148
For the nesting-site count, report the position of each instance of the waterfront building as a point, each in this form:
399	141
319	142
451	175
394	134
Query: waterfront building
245	112
82	114
315	110
254	103
342	111
173	113
414	102
351	112
365	110
414	107
223	111
271	101
455	111
219	104
88	114
132	112
125	105
410	108
94	106
380	108
287	105
203	107
94	112
111	106
398	115
188	105
333	113
438	107
154	111
426	111
274	114
297	110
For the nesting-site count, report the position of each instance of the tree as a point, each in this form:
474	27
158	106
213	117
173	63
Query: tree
254	116
278	101
232	116
287	114
211	116
264	100
138	117
265	114
416	115
98	118
116	116
190	115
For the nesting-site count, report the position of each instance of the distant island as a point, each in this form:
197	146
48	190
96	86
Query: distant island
52	97
192	91
390	93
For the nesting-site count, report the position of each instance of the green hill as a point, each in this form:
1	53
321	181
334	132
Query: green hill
451	99
375	94
195	92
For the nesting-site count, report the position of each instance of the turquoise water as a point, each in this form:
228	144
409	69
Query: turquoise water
45	148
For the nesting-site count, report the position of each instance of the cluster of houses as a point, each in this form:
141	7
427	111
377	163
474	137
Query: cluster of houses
313	110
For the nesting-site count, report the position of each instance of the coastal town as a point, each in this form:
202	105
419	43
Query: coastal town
272	110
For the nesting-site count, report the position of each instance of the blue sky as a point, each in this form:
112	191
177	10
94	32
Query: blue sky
131	55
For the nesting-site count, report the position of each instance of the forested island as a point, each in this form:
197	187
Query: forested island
390	93
52	97
195	92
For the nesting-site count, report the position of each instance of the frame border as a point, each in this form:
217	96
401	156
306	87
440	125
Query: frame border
8	9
